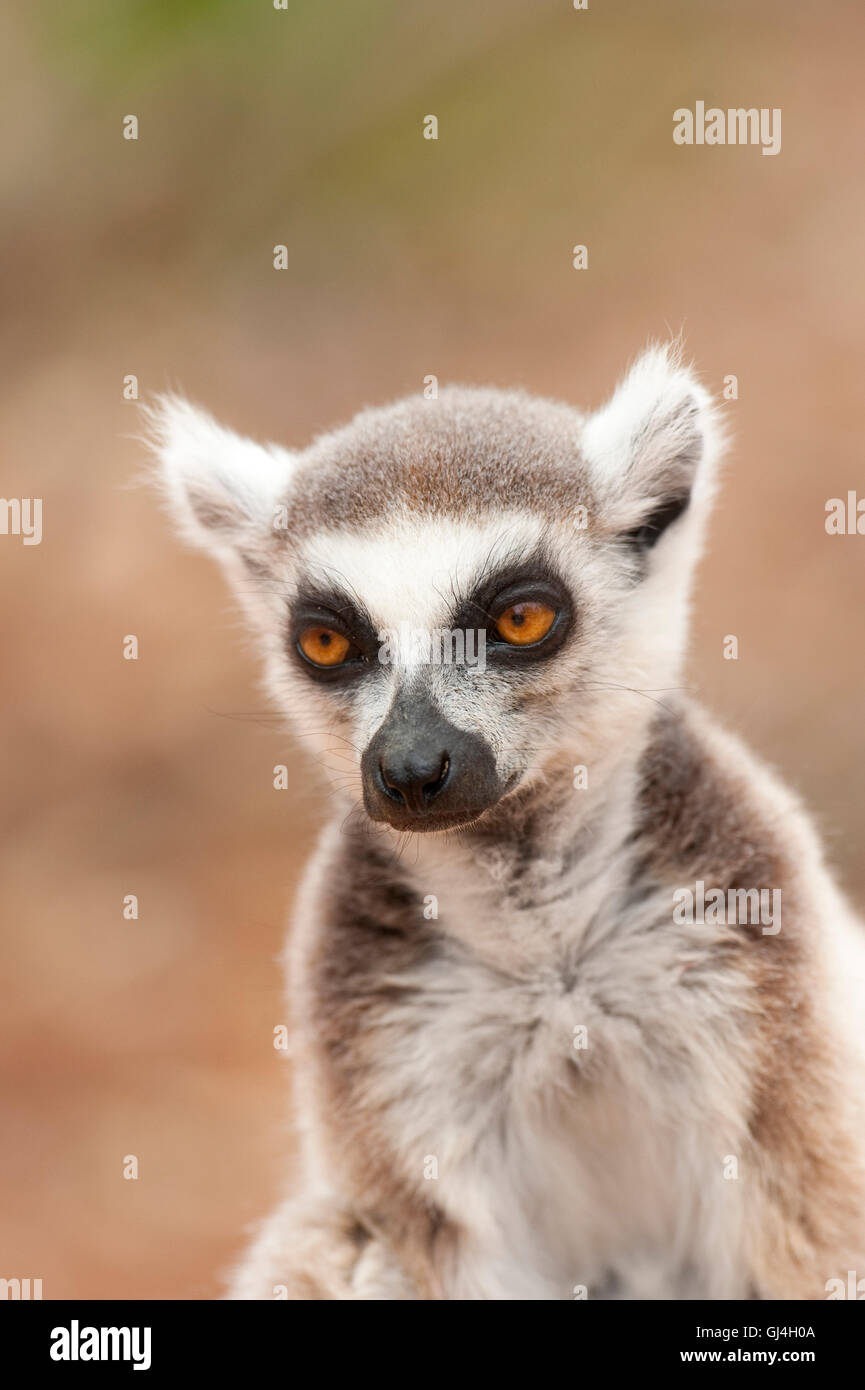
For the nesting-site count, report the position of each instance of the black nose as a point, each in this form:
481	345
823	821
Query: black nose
414	779
420	772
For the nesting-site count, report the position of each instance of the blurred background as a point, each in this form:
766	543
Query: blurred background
406	257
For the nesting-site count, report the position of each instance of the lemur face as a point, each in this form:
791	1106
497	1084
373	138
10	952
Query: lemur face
434	646
454	593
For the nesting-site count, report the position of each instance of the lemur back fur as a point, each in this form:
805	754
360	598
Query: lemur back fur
516	1074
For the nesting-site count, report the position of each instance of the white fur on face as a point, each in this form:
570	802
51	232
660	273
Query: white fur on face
409	577
411	574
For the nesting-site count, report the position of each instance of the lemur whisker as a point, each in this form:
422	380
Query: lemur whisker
634	690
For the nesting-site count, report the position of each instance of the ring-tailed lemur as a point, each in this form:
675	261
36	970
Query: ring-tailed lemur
548	1042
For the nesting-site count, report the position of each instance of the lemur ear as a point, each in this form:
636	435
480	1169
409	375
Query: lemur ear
651	449
222	488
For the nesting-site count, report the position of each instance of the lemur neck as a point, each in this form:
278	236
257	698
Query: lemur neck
550	853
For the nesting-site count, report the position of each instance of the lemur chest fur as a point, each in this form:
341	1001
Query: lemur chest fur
503	1047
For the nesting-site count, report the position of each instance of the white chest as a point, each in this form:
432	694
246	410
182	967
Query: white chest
564	1116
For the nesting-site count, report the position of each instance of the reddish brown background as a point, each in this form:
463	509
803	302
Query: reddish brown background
407	257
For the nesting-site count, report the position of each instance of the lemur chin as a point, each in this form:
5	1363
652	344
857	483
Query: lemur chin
522	1069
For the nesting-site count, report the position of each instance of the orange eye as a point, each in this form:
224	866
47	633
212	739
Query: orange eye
525	623
323	647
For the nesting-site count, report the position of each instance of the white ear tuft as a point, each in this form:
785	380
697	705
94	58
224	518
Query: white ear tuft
651	448
222	488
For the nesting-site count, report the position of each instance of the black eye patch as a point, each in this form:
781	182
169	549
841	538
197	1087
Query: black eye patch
340	613
531	581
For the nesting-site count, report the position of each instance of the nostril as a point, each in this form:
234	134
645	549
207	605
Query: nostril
432	788
390	788
414	782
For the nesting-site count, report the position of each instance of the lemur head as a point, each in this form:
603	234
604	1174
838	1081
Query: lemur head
452	593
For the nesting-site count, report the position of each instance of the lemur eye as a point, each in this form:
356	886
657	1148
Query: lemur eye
323	647
523	624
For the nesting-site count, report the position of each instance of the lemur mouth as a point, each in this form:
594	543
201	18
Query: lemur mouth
431	823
